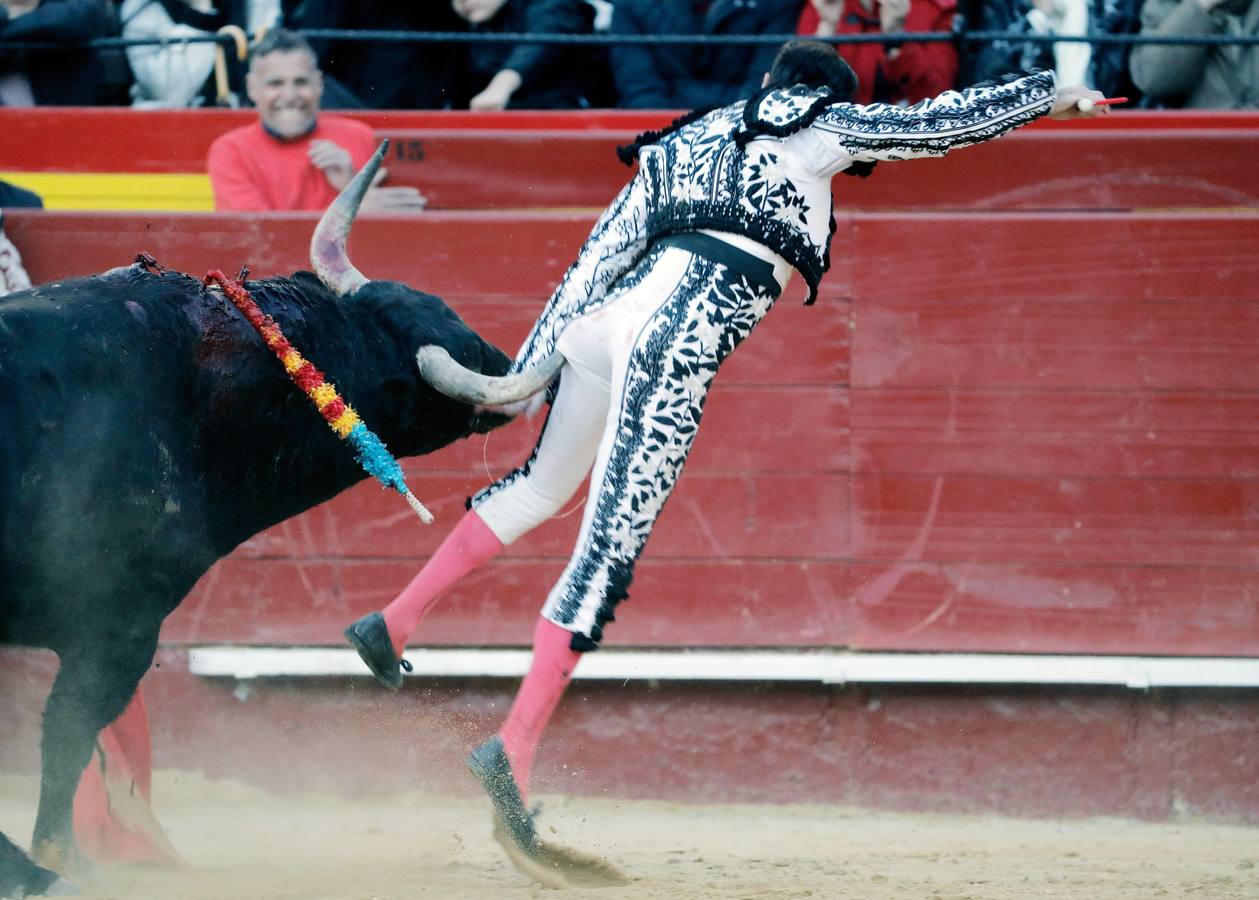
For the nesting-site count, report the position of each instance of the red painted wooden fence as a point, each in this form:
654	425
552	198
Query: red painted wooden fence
995	432
1131	160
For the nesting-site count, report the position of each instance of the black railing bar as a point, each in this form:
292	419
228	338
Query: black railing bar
460	37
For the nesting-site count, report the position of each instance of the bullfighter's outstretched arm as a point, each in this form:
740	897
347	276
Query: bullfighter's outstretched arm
847	132
619	238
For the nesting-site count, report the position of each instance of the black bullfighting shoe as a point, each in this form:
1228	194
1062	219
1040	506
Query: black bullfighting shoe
551	865
490	766
370	638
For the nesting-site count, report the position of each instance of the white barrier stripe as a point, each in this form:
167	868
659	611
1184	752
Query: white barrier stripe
826	667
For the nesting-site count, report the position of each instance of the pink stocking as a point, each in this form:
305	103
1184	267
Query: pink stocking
468	545
539	694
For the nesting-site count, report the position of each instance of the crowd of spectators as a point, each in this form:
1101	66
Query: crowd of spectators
643	74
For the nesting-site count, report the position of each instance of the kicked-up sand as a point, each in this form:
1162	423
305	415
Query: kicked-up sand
241	843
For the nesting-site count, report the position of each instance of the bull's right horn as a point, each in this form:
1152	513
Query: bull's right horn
439	369
327	244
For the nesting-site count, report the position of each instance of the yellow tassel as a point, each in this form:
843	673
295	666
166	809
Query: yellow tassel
323	395
345	422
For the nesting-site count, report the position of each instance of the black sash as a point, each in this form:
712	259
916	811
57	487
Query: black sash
757	271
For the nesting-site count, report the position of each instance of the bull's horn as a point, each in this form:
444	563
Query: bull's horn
447	376
327	245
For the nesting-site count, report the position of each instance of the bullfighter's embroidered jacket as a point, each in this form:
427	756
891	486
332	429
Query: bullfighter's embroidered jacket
775	187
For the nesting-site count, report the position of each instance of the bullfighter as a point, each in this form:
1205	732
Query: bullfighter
679	269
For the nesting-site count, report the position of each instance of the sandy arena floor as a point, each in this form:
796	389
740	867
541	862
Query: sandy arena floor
241	843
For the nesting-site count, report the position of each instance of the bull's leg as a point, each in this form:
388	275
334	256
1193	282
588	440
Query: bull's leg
92	688
19	877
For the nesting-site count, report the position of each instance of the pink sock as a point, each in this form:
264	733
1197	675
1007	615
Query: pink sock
539	694
468	545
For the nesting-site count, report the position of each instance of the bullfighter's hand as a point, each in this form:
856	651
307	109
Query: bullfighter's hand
1065	105
393	199
333	160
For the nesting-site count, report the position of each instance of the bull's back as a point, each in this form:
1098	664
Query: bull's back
94	379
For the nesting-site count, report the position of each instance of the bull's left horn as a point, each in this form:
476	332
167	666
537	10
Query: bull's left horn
459	383
327	245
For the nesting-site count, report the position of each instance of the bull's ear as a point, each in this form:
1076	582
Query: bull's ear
401	399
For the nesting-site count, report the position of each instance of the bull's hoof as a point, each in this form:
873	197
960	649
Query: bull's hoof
54	856
60	888
39	876
370	638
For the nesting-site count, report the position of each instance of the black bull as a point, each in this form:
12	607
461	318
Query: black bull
146	430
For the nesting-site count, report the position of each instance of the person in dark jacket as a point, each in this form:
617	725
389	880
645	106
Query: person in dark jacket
1199	76
1102	66
383	74
680	76
62	77
13	196
531	76
174	74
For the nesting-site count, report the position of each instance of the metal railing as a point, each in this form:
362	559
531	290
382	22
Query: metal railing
960	36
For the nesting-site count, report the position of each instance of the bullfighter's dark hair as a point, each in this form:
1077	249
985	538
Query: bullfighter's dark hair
281	40
810	63
814	65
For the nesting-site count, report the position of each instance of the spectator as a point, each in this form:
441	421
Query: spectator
293	157
177	75
680	76
63	77
13	277
531	76
13	196
889	73
1199	76
1102	68
383	74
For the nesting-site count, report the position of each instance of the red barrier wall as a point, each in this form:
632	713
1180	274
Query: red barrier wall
995	432
1009	750
508	160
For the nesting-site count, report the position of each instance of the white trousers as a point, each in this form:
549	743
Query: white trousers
580	428
630	397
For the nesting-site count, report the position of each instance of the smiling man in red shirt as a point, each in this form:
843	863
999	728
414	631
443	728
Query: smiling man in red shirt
293	157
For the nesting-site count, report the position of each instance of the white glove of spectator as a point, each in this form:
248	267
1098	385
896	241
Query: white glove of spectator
498	92
393	199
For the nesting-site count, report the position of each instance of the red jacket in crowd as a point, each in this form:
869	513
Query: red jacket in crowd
913	72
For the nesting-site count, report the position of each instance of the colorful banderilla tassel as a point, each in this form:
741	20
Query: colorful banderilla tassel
368	448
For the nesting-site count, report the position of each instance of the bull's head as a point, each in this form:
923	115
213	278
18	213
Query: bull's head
332	264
